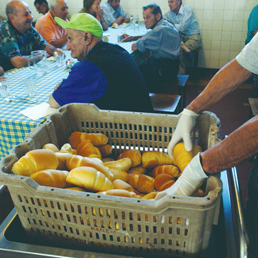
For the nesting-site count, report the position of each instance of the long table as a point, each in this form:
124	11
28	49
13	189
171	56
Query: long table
13	125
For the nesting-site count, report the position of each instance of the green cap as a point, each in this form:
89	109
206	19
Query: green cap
83	22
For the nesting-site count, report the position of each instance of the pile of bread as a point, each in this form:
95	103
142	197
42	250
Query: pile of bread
85	163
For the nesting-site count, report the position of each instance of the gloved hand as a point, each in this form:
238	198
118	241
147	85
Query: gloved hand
183	130
190	180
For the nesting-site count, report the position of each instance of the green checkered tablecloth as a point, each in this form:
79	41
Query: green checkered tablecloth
13	125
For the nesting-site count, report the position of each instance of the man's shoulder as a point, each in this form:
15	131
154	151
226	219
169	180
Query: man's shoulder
185	8
6	30
45	20
105	6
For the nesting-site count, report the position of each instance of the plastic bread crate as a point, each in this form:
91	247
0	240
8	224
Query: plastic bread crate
172	226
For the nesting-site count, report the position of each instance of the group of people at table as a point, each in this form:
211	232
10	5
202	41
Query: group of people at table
108	76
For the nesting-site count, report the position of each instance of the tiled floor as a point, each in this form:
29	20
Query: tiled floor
233	111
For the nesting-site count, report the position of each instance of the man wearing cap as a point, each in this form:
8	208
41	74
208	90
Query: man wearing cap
105	75
48	28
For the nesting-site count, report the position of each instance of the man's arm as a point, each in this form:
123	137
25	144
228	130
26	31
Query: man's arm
52	102
233	150
228	78
59	42
1	70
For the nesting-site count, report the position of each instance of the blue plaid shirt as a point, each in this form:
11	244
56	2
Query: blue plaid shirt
110	15
185	22
13	43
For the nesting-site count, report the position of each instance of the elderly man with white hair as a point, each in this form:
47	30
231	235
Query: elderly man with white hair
105	75
48	28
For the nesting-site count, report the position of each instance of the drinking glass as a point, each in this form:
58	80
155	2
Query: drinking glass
136	23
38	62
60	59
31	85
4	87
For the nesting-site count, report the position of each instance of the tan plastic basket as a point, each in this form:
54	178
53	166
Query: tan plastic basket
174	225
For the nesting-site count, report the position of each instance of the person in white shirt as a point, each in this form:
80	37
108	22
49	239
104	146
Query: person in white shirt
239	146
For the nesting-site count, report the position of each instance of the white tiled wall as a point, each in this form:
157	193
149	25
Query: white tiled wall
223	24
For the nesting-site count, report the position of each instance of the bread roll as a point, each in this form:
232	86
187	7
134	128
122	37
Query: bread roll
151	159
121	164
105	150
165	169
75	188
67	148
50	146
119	192
35	160
87	149
163	181
142	183
134	155
120	184
51	177
89	178
137	170
95	138
150	196
78	161
119	174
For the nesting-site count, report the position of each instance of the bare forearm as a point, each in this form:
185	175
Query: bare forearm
228	78
237	147
59	43
104	25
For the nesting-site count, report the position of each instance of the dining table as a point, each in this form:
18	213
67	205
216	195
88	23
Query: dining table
14	125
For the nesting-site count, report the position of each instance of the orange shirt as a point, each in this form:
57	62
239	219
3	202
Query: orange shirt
48	28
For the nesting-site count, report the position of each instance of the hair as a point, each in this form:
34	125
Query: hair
52	3
155	9
40	2
87	4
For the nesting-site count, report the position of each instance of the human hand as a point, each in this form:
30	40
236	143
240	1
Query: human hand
127	38
99	13
134	47
183	130
59	51
189	181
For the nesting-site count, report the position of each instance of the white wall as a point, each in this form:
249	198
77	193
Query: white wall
223	24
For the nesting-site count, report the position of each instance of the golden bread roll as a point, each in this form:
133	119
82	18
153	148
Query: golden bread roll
119	174
122	164
87	149
163	181
95	138
165	169
151	159
51	177
150	196
89	178
120	184
119	192
142	183
50	146
134	155
79	161
105	150
35	160
181	156
67	148
137	170
62	157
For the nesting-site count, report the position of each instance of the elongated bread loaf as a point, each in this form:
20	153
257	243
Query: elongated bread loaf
95	138
120	184
89	178
151	159
121	164
134	155
50	146
79	161
62	157
35	160
87	149
51	177
165	169
105	150
119	174
120	192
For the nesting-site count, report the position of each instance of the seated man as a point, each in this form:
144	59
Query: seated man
114	13
48	28
183	18
163	42
105	75
41	6
18	37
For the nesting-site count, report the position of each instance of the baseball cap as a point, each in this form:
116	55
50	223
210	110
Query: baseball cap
83	22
